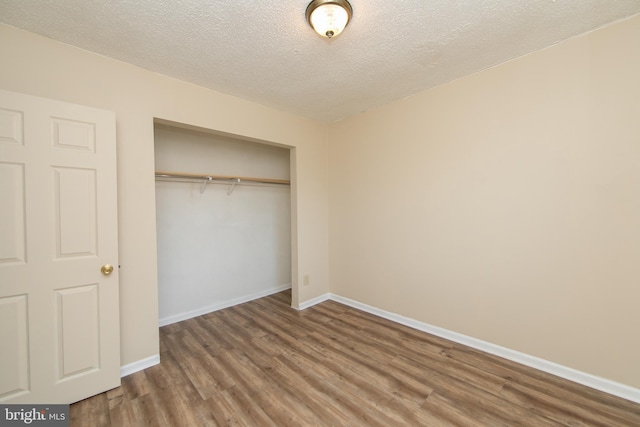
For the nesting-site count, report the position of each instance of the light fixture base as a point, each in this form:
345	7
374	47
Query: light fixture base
328	18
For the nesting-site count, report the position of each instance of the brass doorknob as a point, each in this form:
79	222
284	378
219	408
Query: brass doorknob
106	269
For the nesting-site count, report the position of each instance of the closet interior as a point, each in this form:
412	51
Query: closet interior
223	220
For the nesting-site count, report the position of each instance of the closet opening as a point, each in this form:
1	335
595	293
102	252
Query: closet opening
223	215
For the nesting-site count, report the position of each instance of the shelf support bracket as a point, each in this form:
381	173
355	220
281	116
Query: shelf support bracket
204	183
233	186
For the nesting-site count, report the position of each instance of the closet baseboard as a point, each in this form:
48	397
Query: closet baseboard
219	306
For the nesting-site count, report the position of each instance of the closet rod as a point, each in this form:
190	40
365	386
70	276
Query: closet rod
209	177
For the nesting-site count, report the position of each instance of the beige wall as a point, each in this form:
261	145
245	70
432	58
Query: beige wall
39	66
505	205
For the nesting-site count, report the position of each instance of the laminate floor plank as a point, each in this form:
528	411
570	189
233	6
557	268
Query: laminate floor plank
384	326
154	412
467	394
175	393
369	344
571	394
281	406
94	409
373	385
353	398
195	362
312	392
221	410
263	363
201	331
465	415
128	413
135	385
216	341
278	325
330	306
374	370
556	409
244	408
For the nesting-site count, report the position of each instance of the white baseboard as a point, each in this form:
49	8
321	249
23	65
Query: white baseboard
314	301
598	383
139	365
219	306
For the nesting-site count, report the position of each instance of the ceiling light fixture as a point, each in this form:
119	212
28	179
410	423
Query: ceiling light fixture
329	17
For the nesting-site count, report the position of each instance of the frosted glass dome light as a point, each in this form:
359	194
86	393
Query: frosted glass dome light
329	17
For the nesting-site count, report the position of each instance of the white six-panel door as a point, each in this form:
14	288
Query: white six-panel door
59	316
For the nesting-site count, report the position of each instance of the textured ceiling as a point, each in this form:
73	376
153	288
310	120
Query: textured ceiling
264	51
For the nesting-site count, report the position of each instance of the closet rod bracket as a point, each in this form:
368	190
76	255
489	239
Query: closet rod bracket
204	183
233	186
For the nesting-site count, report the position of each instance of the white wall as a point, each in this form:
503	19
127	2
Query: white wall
505	205
40	66
216	249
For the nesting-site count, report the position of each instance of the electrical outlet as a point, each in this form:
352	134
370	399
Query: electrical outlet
305	280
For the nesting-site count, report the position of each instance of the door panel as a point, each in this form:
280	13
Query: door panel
74	135
14	370
78	336
58	218
12	226
75	206
10	126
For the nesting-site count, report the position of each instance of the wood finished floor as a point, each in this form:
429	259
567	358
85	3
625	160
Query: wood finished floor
264	364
